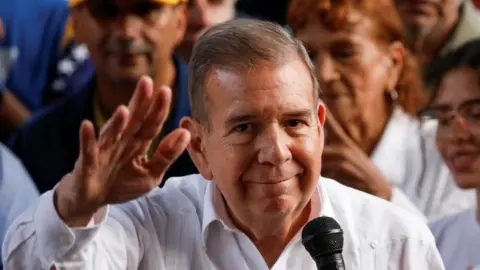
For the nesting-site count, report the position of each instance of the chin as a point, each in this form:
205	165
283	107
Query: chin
282	205
470	181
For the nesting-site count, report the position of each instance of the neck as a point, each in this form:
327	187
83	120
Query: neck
113	93
426	46
272	242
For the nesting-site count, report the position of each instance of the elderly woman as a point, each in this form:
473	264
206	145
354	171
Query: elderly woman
372	88
455	108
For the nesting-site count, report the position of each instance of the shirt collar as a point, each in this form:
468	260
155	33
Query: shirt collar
214	209
467	28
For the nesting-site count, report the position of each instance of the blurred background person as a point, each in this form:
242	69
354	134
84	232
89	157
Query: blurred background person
372	88
435	27
269	10
17	190
202	14
125	39
455	108
34	40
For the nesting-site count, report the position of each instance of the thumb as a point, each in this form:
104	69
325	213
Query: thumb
171	147
88	148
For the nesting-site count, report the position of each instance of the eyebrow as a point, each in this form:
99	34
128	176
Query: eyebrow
234	119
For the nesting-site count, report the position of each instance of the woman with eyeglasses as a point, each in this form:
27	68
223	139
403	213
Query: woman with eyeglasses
455	110
370	84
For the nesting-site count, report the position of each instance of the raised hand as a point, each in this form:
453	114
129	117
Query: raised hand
114	168
344	161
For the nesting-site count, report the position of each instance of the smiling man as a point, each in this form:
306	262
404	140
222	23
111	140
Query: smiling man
126	39
256	136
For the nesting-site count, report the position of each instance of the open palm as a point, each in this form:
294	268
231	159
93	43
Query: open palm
114	168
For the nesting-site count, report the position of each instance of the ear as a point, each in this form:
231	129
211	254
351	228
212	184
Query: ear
321	113
196	147
396	54
181	23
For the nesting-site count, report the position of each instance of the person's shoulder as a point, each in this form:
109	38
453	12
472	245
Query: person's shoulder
373	218
58	115
453	222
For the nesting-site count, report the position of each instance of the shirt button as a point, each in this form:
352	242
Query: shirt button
65	240
373	245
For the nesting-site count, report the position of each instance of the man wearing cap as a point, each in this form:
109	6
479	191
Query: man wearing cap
126	39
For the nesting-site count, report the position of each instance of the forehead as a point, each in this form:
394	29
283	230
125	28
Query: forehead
459	85
316	32
262	90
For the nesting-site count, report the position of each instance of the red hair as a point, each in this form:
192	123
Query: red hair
336	15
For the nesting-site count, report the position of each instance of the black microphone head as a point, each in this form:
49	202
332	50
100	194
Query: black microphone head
322	236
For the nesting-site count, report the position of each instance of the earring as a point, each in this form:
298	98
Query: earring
393	95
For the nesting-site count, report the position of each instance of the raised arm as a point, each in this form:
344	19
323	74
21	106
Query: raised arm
112	169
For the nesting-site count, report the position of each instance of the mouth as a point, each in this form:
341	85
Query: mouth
463	162
275	181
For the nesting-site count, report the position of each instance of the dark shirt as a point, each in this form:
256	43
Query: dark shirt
48	144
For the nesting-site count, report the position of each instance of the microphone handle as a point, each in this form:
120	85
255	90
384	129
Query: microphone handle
330	262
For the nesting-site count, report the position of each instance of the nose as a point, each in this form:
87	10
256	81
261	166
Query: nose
273	147
460	129
127	27
325	68
198	15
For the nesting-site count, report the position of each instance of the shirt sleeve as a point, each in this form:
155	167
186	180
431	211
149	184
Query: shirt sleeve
39	239
400	199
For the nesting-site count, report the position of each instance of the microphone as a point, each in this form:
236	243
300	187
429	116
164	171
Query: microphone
323	239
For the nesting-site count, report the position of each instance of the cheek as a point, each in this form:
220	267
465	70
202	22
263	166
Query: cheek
307	151
441	147
227	161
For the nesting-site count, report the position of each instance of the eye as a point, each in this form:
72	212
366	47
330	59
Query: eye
294	123
242	128
343	53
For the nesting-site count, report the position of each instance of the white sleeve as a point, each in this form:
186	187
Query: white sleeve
400	199
39	239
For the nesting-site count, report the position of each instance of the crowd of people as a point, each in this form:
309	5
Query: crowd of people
191	134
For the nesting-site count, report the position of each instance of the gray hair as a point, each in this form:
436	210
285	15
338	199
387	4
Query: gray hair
240	45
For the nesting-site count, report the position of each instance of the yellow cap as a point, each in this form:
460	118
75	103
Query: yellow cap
73	3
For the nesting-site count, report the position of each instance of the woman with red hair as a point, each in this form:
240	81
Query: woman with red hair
371	86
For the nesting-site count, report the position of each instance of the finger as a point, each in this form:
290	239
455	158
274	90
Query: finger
336	153
138	106
345	173
88	148
113	128
153	123
335	130
169	149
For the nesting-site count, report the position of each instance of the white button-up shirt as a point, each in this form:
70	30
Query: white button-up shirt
407	156
178	227
458	240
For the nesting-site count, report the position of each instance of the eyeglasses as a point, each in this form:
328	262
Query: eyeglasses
445	117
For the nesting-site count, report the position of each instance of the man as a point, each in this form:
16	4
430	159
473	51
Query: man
435	27
126	39
203	14
17	190
256	136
